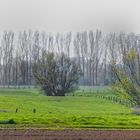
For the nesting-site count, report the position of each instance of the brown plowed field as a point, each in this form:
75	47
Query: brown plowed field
34	134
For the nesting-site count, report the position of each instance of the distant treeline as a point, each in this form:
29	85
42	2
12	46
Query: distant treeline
93	51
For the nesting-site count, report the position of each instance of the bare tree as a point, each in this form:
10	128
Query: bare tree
67	43
98	53
91	57
7	43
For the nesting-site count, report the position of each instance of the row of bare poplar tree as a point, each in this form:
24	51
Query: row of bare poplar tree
93	51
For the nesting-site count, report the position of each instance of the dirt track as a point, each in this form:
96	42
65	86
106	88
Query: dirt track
69	135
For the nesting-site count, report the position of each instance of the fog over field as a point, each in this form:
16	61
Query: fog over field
70	15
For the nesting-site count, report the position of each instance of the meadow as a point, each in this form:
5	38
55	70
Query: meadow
85	108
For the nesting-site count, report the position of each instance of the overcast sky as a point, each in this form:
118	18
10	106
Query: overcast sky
70	15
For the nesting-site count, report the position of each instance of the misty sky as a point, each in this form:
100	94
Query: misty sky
70	15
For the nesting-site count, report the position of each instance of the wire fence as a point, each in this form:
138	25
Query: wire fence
114	99
104	94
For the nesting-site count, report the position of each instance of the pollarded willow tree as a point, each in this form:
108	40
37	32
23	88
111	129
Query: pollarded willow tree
57	74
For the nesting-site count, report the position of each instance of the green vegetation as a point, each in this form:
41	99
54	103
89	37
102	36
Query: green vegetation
63	112
57	74
127	80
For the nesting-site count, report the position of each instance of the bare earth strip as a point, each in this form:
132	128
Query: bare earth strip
35	134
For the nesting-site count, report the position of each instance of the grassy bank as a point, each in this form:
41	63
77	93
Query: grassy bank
30	108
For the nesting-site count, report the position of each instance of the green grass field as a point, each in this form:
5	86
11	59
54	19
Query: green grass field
73	111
